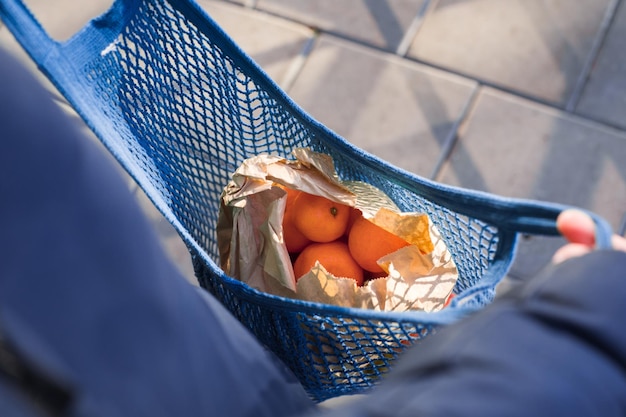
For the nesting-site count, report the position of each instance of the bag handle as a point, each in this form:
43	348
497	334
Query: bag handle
517	215
26	29
536	217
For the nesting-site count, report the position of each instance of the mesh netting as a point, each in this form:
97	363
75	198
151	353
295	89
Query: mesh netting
187	111
194	117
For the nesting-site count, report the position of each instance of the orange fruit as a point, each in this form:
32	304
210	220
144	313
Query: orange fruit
294	240
355	213
334	256
368	243
319	218
292	195
373	275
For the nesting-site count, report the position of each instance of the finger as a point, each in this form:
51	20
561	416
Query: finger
577	227
618	243
569	251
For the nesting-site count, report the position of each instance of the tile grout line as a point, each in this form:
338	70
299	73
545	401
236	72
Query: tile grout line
516	93
598	42
482	82
251	3
328	31
414	27
298	62
453	136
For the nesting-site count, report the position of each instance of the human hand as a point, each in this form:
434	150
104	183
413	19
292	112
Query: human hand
579	230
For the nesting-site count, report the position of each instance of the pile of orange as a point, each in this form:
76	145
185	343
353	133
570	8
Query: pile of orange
316	229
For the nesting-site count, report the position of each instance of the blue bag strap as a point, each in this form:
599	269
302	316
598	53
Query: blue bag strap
540	218
518	215
26	29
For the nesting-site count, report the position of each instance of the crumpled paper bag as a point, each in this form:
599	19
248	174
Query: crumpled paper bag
421	276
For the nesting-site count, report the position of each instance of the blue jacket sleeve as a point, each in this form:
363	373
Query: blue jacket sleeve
88	297
554	346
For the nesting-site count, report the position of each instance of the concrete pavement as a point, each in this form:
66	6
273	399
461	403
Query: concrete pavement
522	98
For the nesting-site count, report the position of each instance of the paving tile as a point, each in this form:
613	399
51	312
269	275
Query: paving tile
275	44
535	47
400	111
63	18
382	23
604	97
516	148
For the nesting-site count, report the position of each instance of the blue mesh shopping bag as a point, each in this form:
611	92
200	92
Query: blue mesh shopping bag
180	106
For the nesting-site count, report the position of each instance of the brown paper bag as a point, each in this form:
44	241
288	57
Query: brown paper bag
421	276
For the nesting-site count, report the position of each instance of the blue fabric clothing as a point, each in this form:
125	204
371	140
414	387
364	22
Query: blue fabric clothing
89	300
